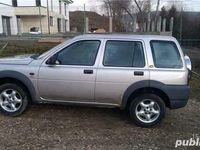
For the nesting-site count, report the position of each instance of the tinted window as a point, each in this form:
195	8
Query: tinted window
124	54
166	54
79	53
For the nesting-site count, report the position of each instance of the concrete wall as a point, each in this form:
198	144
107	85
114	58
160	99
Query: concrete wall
28	22
8	11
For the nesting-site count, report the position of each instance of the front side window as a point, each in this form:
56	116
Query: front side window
166	54
124	54
79	53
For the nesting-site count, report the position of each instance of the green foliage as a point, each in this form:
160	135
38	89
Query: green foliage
195	87
18	48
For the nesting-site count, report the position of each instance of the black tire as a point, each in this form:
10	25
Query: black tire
135	104
20	92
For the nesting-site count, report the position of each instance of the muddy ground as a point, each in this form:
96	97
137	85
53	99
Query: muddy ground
57	127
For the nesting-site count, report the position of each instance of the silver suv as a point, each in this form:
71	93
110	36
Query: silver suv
139	73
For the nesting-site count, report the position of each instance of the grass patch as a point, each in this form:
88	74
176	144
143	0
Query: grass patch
194	54
24	47
195	87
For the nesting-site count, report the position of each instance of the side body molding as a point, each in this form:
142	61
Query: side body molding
22	78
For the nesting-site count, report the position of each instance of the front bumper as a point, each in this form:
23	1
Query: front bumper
178	95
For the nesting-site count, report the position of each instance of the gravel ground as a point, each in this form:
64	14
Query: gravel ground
56	127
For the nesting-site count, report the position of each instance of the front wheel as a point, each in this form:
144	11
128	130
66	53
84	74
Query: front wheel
147	110
13	99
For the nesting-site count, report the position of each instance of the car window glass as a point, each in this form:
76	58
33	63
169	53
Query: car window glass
124	54
79	53
166	54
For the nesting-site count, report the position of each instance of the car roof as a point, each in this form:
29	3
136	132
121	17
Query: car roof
125	36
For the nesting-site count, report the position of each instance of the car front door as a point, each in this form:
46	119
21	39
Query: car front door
72	77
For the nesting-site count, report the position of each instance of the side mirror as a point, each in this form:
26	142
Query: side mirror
188	62
52	60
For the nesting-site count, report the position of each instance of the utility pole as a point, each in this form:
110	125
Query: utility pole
40	19
48	16
157	14
84	20
149	17
181	23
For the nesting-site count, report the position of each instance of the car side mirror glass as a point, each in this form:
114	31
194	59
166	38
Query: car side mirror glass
188	62
52	60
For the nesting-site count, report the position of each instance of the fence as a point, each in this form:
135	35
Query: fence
190	42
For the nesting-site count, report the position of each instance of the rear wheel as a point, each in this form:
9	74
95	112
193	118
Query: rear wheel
147	110
13	99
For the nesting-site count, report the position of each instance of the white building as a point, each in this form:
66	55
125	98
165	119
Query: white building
19	16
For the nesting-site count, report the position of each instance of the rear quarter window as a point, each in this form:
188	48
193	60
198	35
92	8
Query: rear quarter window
165	54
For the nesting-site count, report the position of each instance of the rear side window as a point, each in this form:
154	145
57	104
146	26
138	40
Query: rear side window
166	54
124	54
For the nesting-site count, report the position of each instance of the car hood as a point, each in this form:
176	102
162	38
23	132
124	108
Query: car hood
17	60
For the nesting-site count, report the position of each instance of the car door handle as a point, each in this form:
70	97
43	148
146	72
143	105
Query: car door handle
88	71
139	73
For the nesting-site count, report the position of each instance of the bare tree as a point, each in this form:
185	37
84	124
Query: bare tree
107	6
134	8
143	7
116	9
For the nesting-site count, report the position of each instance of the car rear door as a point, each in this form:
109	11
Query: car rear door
123	63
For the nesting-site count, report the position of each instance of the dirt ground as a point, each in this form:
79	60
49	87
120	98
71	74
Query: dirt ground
56	127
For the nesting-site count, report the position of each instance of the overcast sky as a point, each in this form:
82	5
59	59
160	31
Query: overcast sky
92	5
